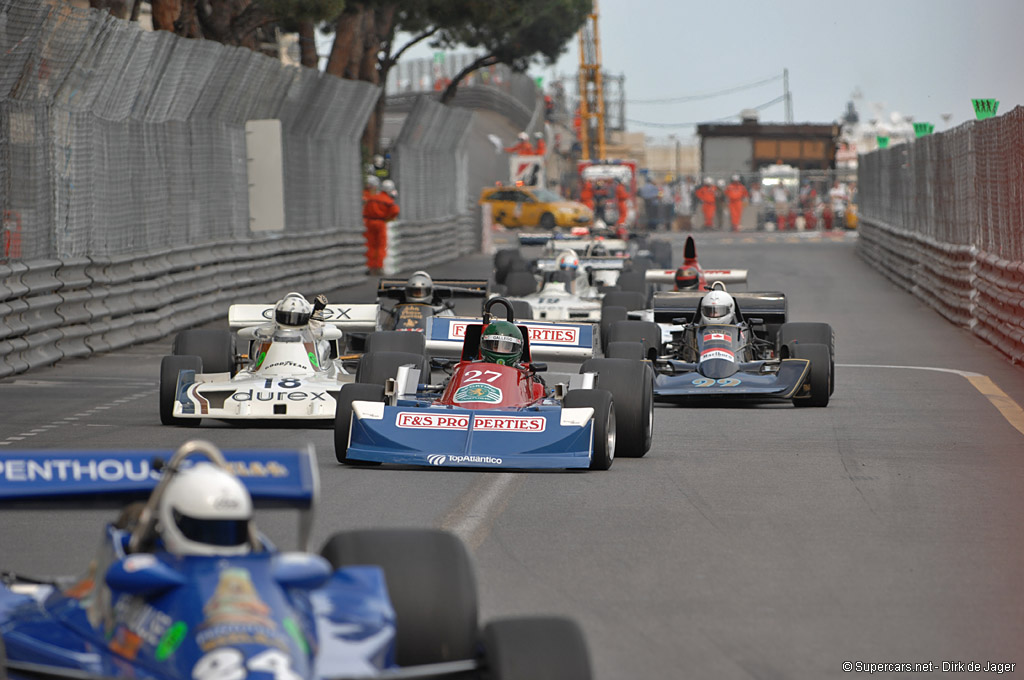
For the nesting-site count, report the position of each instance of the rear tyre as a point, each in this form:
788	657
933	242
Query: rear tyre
609	315
646	332
506	261
809	332
821	373
605	430
536	648
632	388
169	368
343	417
661	252
631	300
215	348
396	341
520	283
376	368
634	281
431	585
522	310
633	351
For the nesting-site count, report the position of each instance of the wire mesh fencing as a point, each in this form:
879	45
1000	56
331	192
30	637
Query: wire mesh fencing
115	140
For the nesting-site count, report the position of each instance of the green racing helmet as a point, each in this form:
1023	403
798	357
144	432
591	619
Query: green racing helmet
502	343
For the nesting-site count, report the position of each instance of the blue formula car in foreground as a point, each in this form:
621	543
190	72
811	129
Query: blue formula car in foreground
391	604
489	415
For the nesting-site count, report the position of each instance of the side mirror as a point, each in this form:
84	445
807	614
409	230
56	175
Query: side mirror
538	366
755	321
300	570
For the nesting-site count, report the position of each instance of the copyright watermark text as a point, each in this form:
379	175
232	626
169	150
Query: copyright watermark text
929	666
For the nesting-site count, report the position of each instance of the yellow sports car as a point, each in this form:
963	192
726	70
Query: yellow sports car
530	207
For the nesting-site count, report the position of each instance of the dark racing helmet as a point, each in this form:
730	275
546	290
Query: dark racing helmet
502	343
687	278
419	287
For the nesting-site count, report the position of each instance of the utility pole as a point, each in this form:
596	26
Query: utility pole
591	89
788	95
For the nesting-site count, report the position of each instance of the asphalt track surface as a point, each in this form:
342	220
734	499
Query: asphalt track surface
751	542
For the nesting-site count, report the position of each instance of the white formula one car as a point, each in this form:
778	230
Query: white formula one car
293	367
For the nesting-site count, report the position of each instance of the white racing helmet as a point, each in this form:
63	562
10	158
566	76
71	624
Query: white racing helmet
718	307
373	182
419	288
293	310
205	510
568	261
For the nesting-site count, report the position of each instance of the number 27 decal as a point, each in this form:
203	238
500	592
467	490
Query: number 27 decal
478	375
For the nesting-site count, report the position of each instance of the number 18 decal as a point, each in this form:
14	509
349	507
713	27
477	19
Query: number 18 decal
230	664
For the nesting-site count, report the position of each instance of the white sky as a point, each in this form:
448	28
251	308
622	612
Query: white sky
921	58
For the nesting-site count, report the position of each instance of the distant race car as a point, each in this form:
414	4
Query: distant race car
284	372
697	277
411	315
374	603
489	415
761	355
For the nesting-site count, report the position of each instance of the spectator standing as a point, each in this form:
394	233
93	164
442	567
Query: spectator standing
649	192
781	198
719	203
757	203
837	197
622	202
522	145
736	194
378	210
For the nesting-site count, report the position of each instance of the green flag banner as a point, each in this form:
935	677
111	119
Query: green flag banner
985	108
922	129
883	142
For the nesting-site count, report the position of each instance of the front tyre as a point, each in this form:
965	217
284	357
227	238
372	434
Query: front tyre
820	378
547	221
170	367
431	585
536	648
605	439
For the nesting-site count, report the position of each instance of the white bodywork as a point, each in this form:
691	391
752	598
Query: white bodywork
556	302
289	373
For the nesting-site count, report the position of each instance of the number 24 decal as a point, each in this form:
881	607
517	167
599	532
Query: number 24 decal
230	664
478	375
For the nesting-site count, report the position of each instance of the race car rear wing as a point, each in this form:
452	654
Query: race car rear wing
358	318
112	479
710	275
569	342
672	305
395	288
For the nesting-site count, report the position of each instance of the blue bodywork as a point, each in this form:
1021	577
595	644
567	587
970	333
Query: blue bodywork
453	437
678	381
266	614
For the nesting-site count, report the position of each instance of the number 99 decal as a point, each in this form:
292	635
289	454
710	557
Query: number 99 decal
722	382
230	664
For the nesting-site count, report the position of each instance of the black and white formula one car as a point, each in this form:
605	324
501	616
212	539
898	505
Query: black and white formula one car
729	347
292	366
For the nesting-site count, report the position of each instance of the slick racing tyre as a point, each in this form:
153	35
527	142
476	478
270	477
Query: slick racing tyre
531	648
215	348
522	310
633	351
507	261
169	369
520	283
609	315
632	386
820	378
375	368
646	332
605	431
806	332
630	299
634	281
343	417
430	583
661	252
396	341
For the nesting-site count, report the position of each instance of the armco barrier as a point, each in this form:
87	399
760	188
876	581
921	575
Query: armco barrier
67	308
940	274
418	245
999	304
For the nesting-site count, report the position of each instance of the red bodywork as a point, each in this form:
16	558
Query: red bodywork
485	385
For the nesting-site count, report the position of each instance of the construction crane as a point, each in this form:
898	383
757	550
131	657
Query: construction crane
591	90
